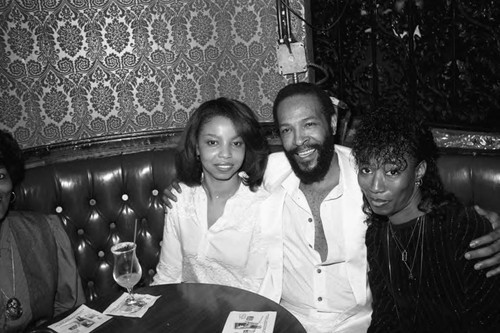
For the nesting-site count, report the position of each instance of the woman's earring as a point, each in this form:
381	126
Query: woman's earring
13	197
418	183
243	174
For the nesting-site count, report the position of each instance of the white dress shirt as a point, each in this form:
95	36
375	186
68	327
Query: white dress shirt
232	252
330	296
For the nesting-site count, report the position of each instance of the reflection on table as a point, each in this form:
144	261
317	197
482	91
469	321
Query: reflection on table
193	307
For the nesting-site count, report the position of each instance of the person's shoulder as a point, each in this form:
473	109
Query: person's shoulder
33	217
277	159
345	154
343	150
259	194
188	198
463	219
277	170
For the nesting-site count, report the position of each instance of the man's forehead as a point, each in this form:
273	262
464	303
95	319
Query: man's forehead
305	105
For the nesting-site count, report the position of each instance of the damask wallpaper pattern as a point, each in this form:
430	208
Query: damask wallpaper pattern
77	69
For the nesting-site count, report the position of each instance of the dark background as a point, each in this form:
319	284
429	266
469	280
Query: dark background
440	57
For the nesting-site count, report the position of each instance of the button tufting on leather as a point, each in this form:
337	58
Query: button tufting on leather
155	192
100	254
112	225
58	209
90	283
92	202
151	272
124	197
80	232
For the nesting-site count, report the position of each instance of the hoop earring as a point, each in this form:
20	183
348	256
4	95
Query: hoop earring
418	183
13	197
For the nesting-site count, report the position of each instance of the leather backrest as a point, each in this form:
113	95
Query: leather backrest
100	199
474	178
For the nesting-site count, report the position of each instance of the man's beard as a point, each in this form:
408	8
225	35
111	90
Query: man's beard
317	173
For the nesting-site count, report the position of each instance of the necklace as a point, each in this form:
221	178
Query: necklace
404	249
13	307
420	243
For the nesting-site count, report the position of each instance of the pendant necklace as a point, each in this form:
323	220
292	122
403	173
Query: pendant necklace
420	243
404	249
13	307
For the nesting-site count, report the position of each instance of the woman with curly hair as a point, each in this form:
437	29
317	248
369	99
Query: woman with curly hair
213	232
417	234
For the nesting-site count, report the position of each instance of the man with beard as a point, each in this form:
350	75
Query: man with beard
317	199
316	195
315	209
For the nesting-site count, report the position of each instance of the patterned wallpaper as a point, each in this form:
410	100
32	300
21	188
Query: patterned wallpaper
78	69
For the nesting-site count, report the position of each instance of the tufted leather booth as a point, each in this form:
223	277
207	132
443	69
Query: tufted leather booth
99	199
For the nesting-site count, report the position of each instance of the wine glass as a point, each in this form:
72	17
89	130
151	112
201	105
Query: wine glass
126	269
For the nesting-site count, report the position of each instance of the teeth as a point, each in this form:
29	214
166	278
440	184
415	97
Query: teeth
306	152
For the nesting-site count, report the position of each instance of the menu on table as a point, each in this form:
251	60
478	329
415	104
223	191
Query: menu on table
82	320
250	322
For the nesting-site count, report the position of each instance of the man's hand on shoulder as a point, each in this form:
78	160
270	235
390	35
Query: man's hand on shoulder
169	195
487	246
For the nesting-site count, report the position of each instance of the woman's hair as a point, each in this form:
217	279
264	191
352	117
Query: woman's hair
188	166
11	157
394	135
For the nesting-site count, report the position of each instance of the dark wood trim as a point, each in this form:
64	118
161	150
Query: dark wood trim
116	145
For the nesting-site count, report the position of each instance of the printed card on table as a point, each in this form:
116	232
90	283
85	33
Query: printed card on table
120	307
250	322
82	320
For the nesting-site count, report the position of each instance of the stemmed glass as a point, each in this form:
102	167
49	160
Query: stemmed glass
126	268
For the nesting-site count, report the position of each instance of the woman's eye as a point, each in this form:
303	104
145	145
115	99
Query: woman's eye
2	175
393	172
284	130
365	170
238	143
310	124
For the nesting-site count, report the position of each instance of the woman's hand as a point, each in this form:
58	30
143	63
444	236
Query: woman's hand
489	245
168	194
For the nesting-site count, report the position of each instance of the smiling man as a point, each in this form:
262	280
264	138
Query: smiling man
317	199
314	181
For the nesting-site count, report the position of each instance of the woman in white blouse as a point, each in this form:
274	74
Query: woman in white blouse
213	232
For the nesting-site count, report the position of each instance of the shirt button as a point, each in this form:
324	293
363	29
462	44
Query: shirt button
320	299
309	219
318	270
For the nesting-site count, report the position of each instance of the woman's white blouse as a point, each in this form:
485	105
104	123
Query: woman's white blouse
231	252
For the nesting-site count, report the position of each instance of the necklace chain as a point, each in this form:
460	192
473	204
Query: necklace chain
13	274
13	307
420	243
404	250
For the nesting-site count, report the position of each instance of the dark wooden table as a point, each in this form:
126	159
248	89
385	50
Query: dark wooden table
193	308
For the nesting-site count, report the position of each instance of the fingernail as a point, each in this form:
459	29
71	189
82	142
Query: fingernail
477	266
467	256
473	244
489	274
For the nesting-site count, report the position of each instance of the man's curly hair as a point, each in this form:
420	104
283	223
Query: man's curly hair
394	135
